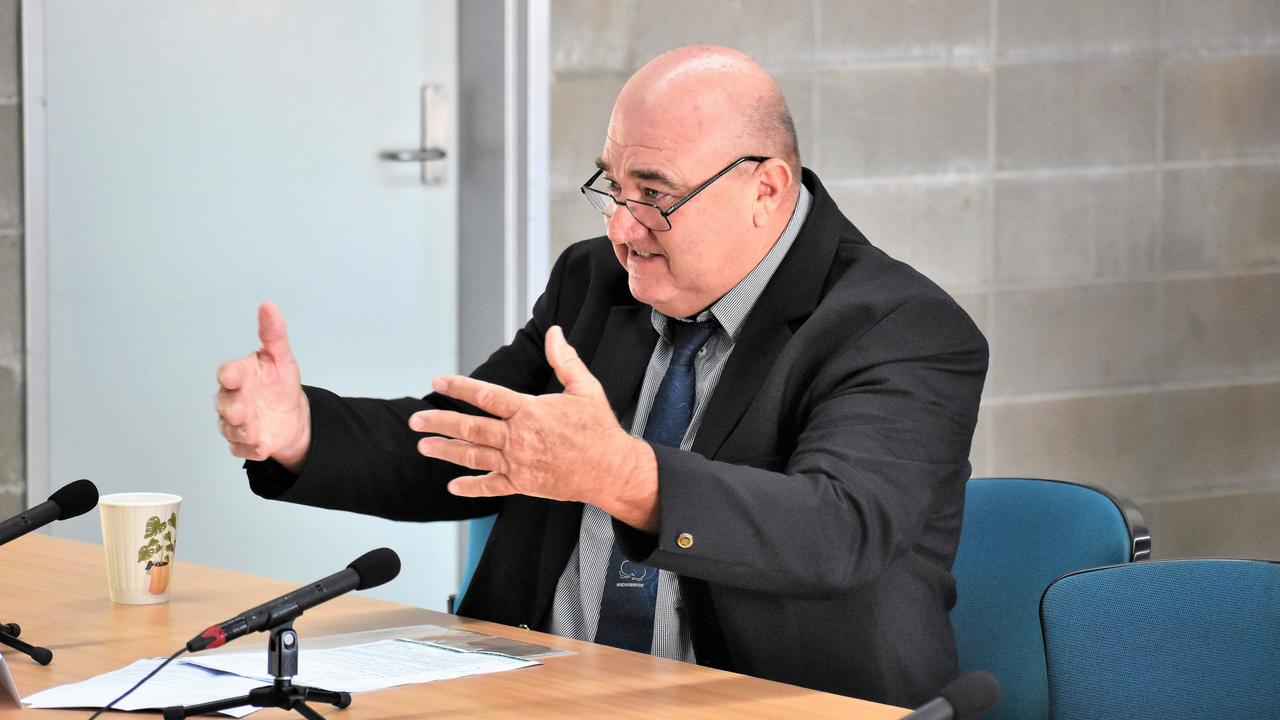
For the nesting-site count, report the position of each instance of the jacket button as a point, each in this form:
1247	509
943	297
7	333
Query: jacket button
684	540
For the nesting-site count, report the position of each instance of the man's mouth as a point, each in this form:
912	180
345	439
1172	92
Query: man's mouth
641	254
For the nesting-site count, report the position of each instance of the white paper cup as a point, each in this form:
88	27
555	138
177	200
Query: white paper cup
139	534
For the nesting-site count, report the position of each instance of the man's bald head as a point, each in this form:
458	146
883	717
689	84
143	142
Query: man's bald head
686	123
715	99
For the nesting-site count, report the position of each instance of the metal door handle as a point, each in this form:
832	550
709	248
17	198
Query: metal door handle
412	155
434	138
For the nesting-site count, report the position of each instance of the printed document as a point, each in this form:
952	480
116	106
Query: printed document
373	666
204	678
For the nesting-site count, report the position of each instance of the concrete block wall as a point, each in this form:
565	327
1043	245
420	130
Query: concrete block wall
1097	182
12	423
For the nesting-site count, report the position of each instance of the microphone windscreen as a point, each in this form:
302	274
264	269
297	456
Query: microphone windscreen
972	694
75	498
376	567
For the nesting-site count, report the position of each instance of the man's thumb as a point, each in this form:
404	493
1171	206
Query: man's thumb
570	370
271	331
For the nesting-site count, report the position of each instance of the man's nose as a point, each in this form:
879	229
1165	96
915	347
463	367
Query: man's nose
623	227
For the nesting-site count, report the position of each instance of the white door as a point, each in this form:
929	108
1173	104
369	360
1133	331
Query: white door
208	154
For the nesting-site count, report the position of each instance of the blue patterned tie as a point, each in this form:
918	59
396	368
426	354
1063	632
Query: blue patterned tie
631	589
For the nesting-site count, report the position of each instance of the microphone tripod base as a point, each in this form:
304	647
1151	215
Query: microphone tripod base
282	663
282	694
9	633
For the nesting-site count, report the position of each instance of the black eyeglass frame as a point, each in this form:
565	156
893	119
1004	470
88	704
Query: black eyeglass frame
588	191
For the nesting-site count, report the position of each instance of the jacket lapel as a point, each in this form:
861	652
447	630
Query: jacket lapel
623	353
788	299
558	540
763	337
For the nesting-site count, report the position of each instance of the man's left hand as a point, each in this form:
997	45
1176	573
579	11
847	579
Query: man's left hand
565	446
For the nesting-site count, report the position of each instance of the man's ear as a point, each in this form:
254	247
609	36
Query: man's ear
774	188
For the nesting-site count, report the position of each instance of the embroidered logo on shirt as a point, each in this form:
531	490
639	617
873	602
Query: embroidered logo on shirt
634	572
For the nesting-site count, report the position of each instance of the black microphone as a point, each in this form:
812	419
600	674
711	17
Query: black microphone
966	698
371	569
72	499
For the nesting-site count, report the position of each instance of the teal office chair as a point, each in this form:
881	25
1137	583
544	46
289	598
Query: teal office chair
477	535
1186	639
1018	535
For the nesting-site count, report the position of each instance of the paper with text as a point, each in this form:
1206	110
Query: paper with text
371	666
199	679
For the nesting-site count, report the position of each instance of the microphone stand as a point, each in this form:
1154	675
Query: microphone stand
9	633
282	663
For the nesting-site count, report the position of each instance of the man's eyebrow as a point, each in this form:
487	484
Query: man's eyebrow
642	174
654	176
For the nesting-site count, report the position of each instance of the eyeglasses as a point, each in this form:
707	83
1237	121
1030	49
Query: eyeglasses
645	213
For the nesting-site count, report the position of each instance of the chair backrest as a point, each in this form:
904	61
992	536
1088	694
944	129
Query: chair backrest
1168	639
1018	535
477	535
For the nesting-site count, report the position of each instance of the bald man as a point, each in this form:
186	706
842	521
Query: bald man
733	432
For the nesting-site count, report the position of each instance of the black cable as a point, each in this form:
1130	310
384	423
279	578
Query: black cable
138	685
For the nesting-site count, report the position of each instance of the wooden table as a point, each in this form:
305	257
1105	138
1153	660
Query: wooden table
56	590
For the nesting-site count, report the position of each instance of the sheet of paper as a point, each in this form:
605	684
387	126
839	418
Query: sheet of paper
440	635
214	676
469	641
177	684
371	666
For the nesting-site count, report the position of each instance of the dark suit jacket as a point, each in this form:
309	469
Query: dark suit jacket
823	493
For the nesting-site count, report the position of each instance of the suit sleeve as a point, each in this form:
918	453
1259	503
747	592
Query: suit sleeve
363	456
882	439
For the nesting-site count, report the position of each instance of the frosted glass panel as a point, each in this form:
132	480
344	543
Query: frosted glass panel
203	156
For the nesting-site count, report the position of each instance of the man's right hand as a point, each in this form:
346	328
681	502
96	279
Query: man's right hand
262	411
